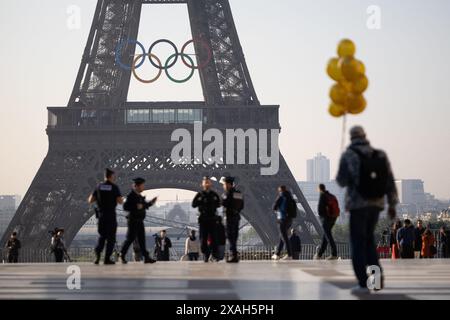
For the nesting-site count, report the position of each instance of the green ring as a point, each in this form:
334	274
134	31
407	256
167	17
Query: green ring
167	71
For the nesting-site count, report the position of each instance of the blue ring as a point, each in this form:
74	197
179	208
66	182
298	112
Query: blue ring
118	54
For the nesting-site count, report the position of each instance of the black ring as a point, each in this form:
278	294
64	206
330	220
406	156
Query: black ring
173	46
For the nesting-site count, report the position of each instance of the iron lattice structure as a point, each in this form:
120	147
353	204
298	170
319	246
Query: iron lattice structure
97	128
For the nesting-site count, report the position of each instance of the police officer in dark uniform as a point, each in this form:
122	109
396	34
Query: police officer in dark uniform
136	205
207	201
107	195
233	203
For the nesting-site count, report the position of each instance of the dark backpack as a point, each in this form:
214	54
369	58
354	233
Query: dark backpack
291	209
333	210
373	174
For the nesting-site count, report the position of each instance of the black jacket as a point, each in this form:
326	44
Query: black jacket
322	206
230	202
162	254
133	199
13	246
207	203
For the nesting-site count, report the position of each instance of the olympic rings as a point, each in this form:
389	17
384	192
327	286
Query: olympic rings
169	63
201	65
133	68
176	56
119	49
165	66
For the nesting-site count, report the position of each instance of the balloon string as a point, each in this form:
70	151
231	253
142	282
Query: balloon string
344	129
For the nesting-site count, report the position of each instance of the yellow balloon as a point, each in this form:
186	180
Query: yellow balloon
336	110
349	67
338	94
346	48
347	85
360	84
333	69
356	103
361	67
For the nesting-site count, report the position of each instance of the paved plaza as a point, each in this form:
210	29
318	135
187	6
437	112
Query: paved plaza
415	279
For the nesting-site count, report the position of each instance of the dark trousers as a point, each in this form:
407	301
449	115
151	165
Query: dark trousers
59	255
107	231
407	252
193	256
232	234
296	255
13	257
327	225
208	230
284	226
136	230
362	240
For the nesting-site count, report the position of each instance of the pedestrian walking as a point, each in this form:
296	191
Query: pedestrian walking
286	209
328	209
367	175
405	239
233	202
136	206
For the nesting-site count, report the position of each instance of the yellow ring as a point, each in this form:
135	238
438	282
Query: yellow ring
133	68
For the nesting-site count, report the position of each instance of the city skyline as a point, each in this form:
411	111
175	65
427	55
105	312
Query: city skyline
403	107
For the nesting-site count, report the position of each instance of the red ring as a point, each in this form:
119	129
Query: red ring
205	45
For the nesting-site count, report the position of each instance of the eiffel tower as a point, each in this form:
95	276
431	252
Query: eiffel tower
98	128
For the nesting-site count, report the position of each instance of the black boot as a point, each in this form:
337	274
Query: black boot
234	259
97	258
108	261
147	259
122	258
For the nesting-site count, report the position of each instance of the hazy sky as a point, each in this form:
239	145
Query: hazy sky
287	44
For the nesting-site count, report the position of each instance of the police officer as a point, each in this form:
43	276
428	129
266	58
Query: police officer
207	201
136	205
107	195
233	203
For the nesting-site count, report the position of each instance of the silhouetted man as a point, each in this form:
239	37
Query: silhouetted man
136	206
107	195
207	201
328	209
13	246
162	246
233	203
367	174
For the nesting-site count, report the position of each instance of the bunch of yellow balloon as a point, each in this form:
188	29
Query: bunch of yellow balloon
349	73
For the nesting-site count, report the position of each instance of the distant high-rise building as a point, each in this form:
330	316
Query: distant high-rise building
410	191
8	206
318	169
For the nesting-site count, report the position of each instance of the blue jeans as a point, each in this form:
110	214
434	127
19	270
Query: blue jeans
362	240
285	225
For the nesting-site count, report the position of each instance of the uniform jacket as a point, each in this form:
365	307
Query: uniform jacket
207	203
130	205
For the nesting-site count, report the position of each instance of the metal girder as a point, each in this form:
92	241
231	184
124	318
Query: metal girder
92	133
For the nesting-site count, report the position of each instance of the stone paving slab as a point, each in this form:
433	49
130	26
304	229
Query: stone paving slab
308	280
